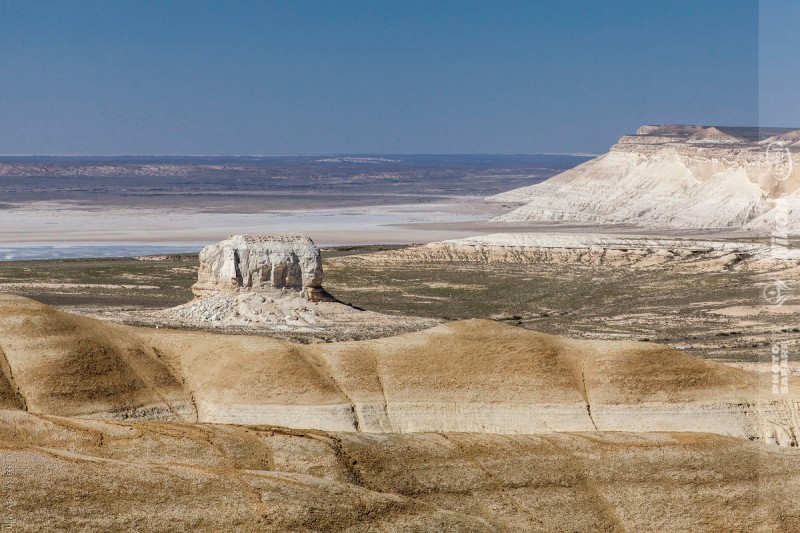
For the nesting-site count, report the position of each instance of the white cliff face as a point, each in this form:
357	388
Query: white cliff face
670	177
273	284
261	263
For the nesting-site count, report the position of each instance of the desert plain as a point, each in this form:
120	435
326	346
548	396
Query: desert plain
524	354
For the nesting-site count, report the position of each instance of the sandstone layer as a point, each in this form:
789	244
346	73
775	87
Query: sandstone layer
471	376
678	177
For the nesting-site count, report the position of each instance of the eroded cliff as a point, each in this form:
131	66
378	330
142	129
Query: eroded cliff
681	177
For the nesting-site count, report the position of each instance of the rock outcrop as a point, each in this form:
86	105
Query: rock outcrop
273	283
273	264
681	177
630	251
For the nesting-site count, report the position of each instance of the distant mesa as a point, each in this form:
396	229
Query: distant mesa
669	129
609	250
675	176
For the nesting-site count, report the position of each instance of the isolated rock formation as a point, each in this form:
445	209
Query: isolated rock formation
273	284
682	177
257	279
272	264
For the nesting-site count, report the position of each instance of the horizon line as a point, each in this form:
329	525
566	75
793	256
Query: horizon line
353	154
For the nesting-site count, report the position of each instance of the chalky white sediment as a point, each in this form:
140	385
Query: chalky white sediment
704	180
260	263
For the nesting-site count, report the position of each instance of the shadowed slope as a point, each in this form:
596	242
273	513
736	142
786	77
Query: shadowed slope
10	395
69	365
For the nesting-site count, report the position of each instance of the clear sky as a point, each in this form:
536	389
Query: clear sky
373	76
779	63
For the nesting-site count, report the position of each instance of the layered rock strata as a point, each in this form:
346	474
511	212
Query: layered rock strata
598	250
681	177
261	263
273	284
472	376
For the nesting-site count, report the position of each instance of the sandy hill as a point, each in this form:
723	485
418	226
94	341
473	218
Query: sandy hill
471	426
788	137
71	474
712	135
58	363
668	177
470	376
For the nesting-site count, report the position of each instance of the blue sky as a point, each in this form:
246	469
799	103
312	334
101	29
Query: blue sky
779	63
304	77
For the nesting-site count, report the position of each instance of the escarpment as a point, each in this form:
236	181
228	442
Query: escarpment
678	177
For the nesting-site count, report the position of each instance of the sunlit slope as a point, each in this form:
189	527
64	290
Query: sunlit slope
474	376
685	178
470	376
